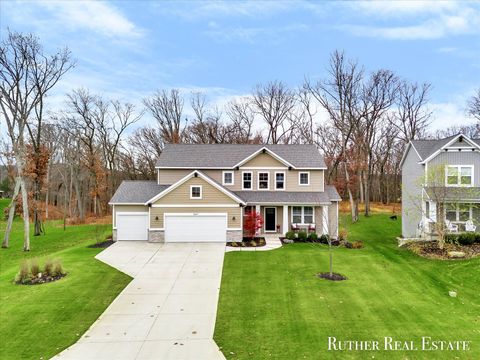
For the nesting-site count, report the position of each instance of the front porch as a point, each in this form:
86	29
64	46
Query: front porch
279	219
456	217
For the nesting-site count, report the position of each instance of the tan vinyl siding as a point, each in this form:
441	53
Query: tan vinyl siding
157	212
333	219
181	194
127	208
171	176
263	160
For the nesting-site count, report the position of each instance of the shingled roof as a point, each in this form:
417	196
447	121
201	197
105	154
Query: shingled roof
136	191
228	155
425	148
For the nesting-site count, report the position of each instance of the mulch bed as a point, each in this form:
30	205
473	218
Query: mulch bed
247	242
42	280
103	244
429	249
333	277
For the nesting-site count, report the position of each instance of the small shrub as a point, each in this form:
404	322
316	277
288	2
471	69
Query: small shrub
357	245
342	235
58	268
23	275
335	242
466	238
48	269
451	238
253	243
290	235
324	239
34	268
302	236
313	237
346	244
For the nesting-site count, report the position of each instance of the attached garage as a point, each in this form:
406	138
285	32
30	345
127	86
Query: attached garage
132	225
195	227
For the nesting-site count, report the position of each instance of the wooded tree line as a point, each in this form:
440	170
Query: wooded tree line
75	157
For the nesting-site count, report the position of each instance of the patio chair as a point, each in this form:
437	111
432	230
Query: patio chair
451	227
311	228
469	226
295	227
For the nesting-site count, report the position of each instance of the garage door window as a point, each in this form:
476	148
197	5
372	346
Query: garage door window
195	192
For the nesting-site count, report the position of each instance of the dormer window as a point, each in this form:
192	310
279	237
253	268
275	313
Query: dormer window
196	192
459	175
228	178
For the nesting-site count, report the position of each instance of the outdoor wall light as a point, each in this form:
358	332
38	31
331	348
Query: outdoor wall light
156	217
233	218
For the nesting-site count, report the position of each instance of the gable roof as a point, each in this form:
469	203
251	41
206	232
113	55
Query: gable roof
189	176
427	149
133	192
226	156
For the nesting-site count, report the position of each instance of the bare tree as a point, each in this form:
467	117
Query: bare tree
242	117
274	102
339	95
412	116
166	108
26	76
473	107
145	145
377	96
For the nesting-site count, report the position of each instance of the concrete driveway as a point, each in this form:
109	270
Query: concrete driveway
168	310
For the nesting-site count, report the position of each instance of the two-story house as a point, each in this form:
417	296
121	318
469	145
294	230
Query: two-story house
440	178
203	192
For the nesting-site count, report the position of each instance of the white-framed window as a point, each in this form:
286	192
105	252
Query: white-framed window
459	175
247	180
263	180
195	191
280	180
304	178
458	212
228	178
303	215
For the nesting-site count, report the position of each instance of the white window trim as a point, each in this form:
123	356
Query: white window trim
223	177
303	215
258	180
201	192
284	180
251	180
299	177
457	213
458	184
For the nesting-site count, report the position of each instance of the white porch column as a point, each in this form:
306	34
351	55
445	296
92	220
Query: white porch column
325	219
285	219
257	211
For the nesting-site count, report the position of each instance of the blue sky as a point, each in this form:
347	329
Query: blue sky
128	49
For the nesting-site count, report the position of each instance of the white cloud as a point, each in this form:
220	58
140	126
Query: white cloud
447	114
443	19
97	16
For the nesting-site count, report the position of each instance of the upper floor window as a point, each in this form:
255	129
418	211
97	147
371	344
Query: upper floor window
247	180
263	180
195	192
228	178
304	178
280	181
459	175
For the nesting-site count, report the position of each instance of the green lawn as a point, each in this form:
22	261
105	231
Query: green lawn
37	322
273	307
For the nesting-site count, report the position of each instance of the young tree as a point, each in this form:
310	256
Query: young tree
26	76
252	222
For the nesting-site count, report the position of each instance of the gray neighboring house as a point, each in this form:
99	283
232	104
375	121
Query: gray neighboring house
203	192
460	156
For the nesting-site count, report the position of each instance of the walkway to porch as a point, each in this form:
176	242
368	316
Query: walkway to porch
272	240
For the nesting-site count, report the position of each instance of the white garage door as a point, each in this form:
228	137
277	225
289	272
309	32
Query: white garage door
196	227
132	226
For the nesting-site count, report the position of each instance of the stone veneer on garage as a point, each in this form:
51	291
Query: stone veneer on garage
159	235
